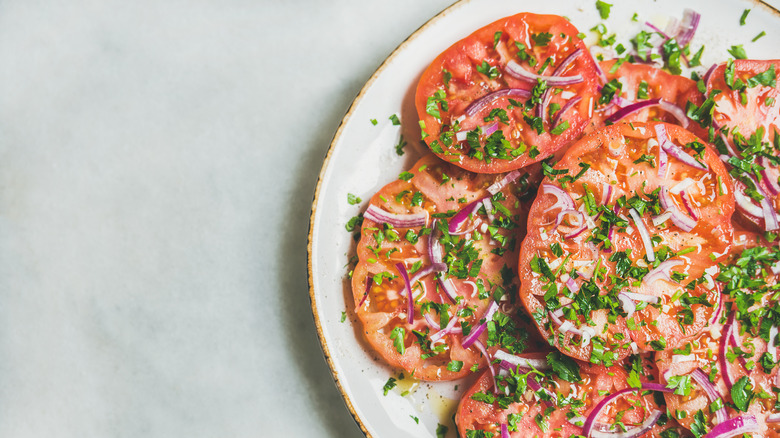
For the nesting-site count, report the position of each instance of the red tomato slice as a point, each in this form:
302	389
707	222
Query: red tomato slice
571	402
584	276
745	112
479	261
745	356
641	82
455	94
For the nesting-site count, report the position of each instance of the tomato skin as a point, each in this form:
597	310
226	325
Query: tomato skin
597	382
760	110
675	89
386	305
467	84
711	235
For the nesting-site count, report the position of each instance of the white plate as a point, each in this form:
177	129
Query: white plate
362	159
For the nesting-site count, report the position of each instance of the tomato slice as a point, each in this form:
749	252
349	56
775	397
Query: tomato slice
472	88
749	379
479	256
747	108
585	257
569	400
642	82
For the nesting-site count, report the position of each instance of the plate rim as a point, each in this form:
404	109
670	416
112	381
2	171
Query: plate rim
326	164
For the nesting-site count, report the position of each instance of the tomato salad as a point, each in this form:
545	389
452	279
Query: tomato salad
594	242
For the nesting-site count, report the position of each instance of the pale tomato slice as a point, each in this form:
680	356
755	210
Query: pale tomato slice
477	113
745	94
562	404
736	357
480	257
645	83
601	245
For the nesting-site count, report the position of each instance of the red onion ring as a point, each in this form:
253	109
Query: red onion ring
484	352
687	29
712	392
734	427
522	362
463	214
642	297
662	271
628	305
688	203
769	174
479	104
405	275
722	347
447	330
369	280
682	221
518	72
564	200
569	103
476	331
674	150
640	226
449	289
506	180
634	432
380	216
587	428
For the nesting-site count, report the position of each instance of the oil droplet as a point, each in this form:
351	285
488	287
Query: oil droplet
441	406
407	385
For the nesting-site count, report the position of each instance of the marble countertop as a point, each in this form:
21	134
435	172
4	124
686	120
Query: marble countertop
157	166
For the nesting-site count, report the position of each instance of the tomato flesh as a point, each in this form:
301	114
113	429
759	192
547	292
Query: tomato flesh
480	266
574	273
476	66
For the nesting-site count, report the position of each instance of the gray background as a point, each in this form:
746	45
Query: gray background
157	166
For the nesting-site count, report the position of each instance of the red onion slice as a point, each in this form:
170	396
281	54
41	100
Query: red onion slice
746	204
522	362
735	427
773	418
674	150
587	428
463	214
380	216
768	210
369	280
642	297
712	392
449	289
489	209
504	431
431	322
677	112
679	218
630	109
564	200
634	432
687	29
484	352
722	347
628	305
688	203
434	249
569	103
662	271
718	310
446	331
476	331
509	178
640	226
518	72
769	174
479	104
405	275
